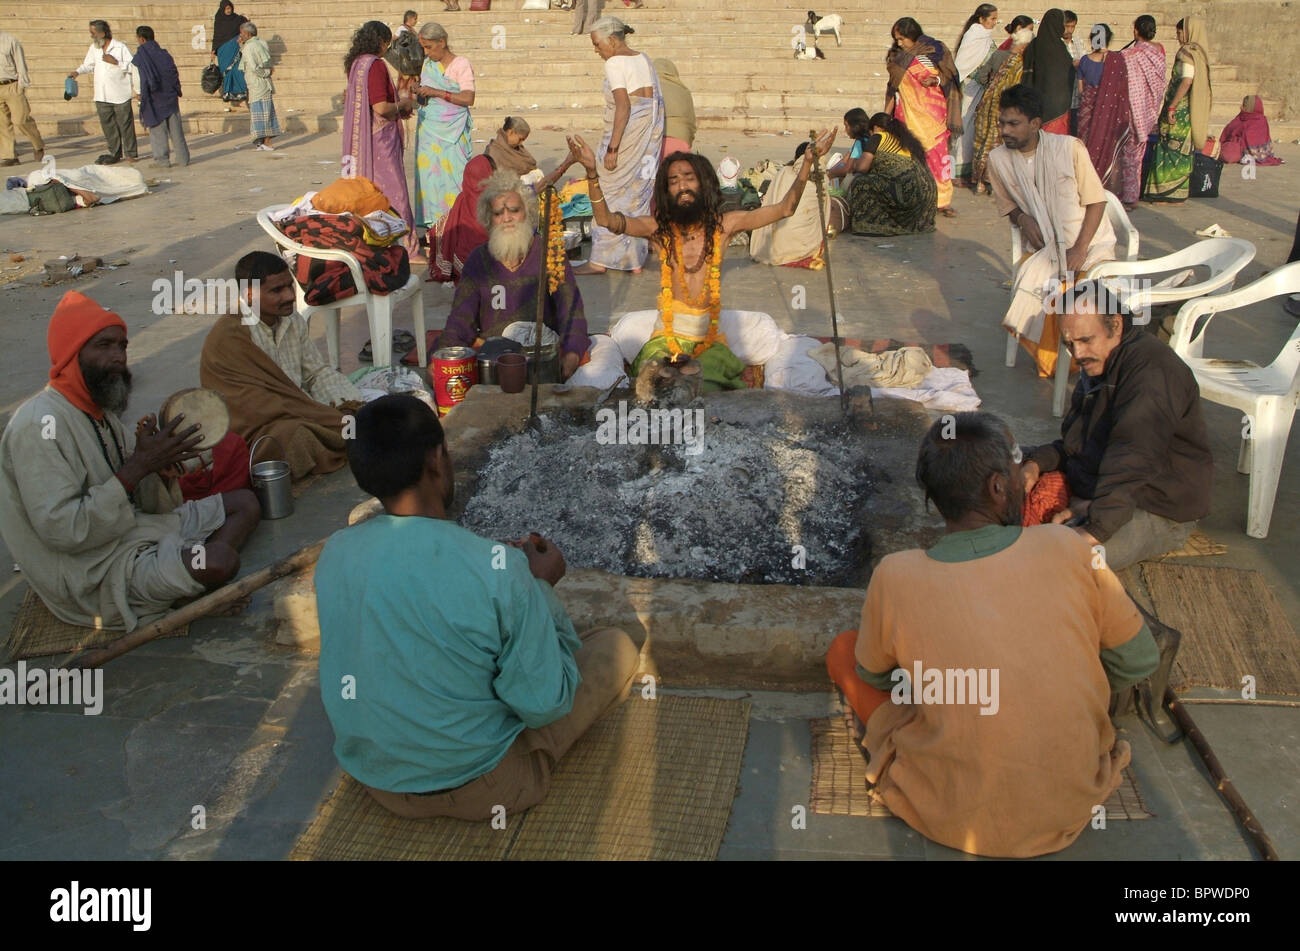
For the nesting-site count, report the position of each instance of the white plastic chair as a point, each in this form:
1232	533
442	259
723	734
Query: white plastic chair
379	307
1268	395
1127	240
1225	257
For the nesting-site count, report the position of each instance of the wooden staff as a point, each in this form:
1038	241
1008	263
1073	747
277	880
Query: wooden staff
543	291
1223	783
223	596
820	181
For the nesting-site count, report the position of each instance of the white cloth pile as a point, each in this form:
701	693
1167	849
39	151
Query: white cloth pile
110	182
382	381
905	367
787	360
523	331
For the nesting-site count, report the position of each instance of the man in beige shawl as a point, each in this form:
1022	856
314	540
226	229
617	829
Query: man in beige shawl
272	375
679	108
507	153
1047	186
795	240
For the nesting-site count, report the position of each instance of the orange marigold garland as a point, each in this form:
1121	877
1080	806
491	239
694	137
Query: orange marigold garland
556	255
711	298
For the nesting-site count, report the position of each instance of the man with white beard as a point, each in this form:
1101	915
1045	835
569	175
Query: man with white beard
501	278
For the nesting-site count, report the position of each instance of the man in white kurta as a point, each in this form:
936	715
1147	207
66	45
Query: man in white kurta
110	62
1046	185
103	538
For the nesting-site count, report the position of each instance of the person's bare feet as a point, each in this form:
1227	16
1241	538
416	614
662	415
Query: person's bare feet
588	268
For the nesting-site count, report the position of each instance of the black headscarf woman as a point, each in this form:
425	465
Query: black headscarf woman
1049	69
225	26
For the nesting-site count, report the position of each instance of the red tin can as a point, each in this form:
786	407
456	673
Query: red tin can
452	371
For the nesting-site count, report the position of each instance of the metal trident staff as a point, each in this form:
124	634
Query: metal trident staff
543	291
820	180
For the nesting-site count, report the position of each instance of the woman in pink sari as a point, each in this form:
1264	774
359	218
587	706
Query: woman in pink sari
924	94
372	124
1145	65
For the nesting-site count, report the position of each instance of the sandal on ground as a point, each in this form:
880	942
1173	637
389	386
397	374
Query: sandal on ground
403	343
948	212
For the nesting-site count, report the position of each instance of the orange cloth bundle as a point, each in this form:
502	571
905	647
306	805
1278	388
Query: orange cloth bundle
1050	494
360	196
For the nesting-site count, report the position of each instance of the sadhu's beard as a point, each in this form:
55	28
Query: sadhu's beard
688	214
510	241
109	388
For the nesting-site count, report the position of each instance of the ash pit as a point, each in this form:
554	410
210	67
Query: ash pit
766	479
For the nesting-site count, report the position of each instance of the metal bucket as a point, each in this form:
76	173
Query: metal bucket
550	363
272	482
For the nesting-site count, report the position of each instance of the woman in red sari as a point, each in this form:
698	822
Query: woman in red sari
1105	113
460	232
1050	70
1089	73
924	94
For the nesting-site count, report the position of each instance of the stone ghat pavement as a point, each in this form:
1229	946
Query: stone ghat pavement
228	719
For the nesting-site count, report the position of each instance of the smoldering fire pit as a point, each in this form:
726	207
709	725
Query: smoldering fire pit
694	492
740	549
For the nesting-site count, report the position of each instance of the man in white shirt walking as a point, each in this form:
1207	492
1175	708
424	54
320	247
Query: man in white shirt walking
110	61
15	113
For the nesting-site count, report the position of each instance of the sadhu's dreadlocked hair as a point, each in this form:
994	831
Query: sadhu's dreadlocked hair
710	199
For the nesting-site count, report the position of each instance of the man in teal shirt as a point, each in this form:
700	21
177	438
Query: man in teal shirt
449	670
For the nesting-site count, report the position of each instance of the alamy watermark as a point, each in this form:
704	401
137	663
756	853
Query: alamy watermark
79	904
39	687
947	685
651	427
214	295
1103	296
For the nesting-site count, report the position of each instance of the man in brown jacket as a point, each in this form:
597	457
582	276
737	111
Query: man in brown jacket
1133	449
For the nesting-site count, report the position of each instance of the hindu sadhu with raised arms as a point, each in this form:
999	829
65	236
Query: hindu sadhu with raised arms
691	235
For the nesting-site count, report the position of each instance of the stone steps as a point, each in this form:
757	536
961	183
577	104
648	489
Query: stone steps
753	84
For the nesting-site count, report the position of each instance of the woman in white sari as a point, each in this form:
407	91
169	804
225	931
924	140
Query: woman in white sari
630	150
973	48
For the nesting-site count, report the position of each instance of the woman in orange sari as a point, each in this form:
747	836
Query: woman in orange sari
923	93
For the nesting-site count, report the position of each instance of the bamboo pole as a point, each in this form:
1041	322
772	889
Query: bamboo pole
1223	784
223	596
543	291
819	180
1229	701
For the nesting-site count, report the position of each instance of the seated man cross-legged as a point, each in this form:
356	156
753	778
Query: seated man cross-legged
691	234
986	711
502	278
1134	453
93	515
271	374
468	680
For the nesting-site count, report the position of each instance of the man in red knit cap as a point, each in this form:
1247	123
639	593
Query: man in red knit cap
99	532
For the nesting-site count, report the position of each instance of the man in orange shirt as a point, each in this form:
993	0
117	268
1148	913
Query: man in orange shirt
986	712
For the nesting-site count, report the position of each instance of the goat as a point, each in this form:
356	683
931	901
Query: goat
802	51
828	24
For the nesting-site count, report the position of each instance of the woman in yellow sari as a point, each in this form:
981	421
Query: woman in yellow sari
924	94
